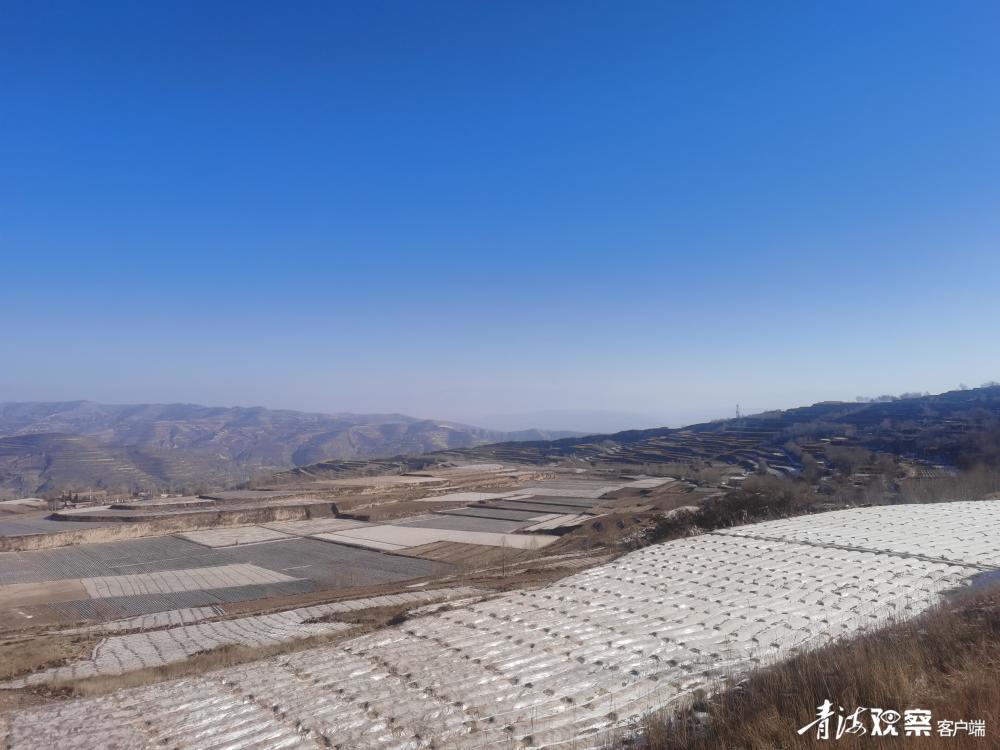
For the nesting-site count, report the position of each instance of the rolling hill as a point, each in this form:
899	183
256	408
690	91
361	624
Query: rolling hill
958	428
47	447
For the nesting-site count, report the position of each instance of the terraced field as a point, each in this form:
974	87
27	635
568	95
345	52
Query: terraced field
152	647
139	577
561	665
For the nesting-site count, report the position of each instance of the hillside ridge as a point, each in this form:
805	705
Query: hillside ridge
71	445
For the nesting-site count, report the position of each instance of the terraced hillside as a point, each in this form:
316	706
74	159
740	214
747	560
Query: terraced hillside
33	462
562	665
79	445
958	428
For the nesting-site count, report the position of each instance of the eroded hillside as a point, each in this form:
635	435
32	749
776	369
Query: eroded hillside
47	447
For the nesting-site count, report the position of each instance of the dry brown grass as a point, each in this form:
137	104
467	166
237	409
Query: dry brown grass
373	617
472	556
973	484
947	661
610	532
30	653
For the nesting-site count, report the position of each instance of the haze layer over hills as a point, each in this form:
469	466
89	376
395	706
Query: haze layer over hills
82	444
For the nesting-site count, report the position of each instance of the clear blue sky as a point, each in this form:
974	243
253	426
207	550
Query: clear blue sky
470	210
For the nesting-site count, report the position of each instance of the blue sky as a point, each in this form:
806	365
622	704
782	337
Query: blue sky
499	212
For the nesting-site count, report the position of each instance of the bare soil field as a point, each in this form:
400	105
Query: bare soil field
30	594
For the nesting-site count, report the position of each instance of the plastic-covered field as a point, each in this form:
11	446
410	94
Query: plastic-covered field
105	559
313	526
574	488
650	483
189	579
461	523
143	576
328	564
168	619
394	538
163	639
561	665
942	532
32	526
146	604
234	536
460	497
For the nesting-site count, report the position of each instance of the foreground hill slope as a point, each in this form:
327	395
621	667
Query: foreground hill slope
566	664
82	444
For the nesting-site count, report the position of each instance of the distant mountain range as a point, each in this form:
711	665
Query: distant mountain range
48	447
74	445
957	429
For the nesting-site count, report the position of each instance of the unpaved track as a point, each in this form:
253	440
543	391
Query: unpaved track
561	665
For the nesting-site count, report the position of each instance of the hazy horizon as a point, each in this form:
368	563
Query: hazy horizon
494	212
585	421
564	420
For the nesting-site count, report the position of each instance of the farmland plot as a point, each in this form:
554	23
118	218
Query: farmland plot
190	579
123	579
124	653
560	665
235	536
154	621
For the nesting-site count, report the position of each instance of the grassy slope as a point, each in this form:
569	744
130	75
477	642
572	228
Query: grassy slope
947	661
